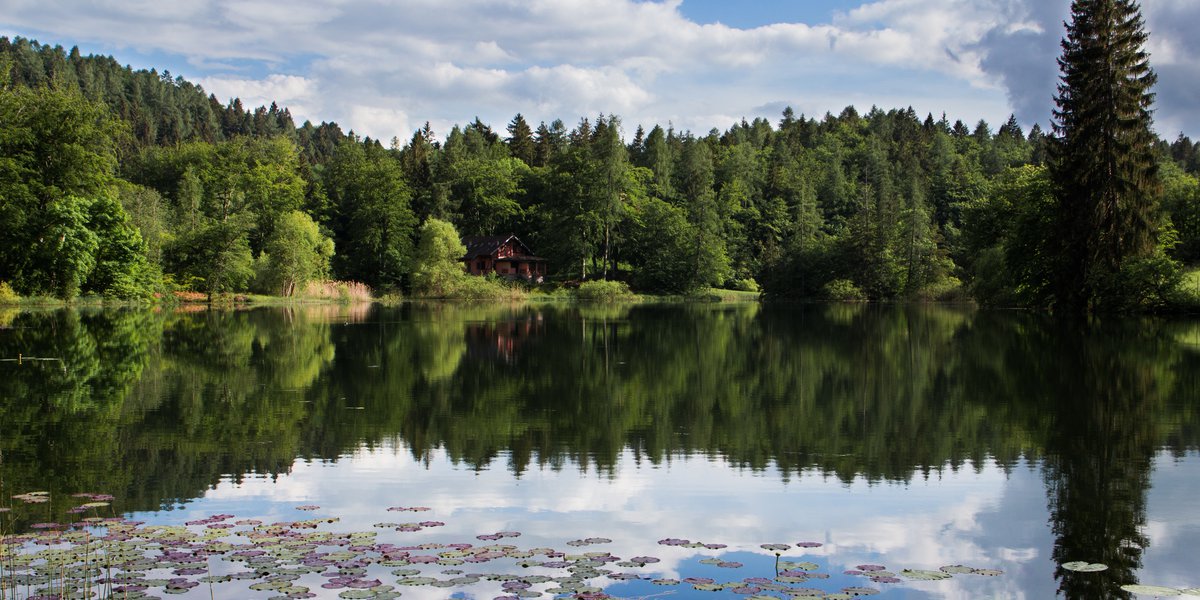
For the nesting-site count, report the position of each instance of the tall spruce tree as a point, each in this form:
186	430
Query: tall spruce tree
1102	160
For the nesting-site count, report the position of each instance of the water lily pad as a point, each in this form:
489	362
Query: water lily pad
708	587
1151	590
1084	567
988	572
808	593
800	566
923	575
776	547
957	569
665	582
860	591
416	581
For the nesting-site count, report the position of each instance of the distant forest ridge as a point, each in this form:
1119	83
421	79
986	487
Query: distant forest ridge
876	206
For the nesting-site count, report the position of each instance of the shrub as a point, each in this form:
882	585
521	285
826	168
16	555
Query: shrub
604	291
7	294
843	290
745	285
945	289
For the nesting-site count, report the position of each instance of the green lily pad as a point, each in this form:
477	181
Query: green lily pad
790	579
923	575
957	570
1151	590
1084	567
416	581
860	591
798	566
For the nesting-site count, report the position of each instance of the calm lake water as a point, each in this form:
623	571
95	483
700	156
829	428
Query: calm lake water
682	437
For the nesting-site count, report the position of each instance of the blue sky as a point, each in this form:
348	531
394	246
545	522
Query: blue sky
384	67
756	13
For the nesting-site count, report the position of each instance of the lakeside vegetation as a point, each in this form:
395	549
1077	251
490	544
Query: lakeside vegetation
131	183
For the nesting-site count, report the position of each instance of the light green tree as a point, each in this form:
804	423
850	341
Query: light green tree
437	272
296	253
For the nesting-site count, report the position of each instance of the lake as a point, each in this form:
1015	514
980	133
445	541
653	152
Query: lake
728	450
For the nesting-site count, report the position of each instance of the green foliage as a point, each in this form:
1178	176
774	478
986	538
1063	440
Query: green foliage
438	272
122	268
7	294
1181	201
296	253
1142	283
1103	161
600	290
660	239
745	285
900	207
215	257
57	161
373	223
843	290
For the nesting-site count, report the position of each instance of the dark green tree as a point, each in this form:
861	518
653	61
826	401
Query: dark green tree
1103	158
520	141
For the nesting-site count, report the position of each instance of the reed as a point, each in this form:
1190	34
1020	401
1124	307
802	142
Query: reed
340	291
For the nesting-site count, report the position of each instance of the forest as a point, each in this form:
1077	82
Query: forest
134	183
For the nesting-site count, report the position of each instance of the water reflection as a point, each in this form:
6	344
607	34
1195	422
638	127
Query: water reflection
158	407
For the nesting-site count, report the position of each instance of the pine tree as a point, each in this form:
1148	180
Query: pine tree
1102	158
520	141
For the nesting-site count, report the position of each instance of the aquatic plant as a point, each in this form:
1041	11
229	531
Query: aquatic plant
117	558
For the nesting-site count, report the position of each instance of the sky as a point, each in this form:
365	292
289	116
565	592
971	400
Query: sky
384	67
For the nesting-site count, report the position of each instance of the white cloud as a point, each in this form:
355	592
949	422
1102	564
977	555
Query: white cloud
449	61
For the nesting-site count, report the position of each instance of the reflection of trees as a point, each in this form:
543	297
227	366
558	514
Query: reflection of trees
156	407
60	417
1106	428
1097	403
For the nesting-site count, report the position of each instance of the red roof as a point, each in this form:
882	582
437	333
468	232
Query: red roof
490	245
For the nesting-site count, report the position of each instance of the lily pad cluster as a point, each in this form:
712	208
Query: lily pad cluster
1137	589
113	558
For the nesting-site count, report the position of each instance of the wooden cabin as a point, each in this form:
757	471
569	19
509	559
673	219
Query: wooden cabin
504	255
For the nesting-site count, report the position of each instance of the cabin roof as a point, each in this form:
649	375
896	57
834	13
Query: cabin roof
489	245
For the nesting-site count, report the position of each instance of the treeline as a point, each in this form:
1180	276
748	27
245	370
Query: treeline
125	182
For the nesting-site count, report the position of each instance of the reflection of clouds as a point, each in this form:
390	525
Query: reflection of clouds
1172	523
982	519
